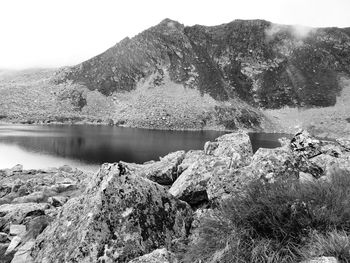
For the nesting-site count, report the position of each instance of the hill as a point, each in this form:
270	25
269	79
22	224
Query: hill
172	76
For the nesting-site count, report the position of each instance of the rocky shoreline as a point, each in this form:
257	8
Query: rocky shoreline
145	212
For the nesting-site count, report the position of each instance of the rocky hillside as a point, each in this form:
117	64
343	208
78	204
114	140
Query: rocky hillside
175	77
264	64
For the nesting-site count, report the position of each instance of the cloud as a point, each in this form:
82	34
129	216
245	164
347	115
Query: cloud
297	31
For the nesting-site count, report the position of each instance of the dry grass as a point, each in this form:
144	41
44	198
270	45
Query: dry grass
273	222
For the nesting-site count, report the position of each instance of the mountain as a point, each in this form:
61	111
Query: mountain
172	76
264	64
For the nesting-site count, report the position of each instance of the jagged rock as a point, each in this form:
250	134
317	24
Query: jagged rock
233	144
228	152
35	226
322	260
191	186
23	253
16	213
17	230
38	185
161	255
303	144
121	216
14	243
163	172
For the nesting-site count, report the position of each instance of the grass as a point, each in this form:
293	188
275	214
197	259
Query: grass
276	222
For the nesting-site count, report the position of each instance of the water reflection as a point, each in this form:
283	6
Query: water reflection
79	144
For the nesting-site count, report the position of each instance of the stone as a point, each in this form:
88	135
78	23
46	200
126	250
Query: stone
14	243
57	200
235	143
209	147
164	171
4	238
17	168
16	213
35	226
66	168
161	255
303	144
230	151
34	197
306	178
38	185
17	230
191	186
119	217
23	253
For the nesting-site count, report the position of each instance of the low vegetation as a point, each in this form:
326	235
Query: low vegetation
285	221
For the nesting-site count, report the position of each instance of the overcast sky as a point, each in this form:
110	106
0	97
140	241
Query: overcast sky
42	33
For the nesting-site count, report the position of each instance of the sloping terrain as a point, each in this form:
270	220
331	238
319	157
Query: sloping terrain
264	64
175	77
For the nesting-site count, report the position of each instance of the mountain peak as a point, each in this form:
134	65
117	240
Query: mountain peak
170	24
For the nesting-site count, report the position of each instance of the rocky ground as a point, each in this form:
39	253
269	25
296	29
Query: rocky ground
145	213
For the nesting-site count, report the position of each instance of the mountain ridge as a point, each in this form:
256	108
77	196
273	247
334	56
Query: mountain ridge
218	59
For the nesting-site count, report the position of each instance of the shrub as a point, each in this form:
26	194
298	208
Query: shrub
272	222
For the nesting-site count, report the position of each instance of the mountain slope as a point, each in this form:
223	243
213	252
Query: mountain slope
264	64
242	74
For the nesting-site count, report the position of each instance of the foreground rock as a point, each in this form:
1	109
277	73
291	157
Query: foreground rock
163	171
29	200
198	167
120	217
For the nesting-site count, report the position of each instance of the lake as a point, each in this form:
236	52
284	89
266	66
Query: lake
87	146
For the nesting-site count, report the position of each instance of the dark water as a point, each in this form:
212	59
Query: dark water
87	147
90	146
266	140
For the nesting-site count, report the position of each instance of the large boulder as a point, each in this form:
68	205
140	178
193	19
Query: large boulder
233	145
266	164
228	152
191	186
121	216
163	171
161	255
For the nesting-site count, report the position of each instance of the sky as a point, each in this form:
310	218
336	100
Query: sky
55	33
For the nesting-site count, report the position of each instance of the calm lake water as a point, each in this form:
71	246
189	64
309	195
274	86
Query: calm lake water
87	147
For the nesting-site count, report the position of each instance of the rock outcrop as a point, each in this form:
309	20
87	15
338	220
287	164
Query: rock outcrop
198	167
120	217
